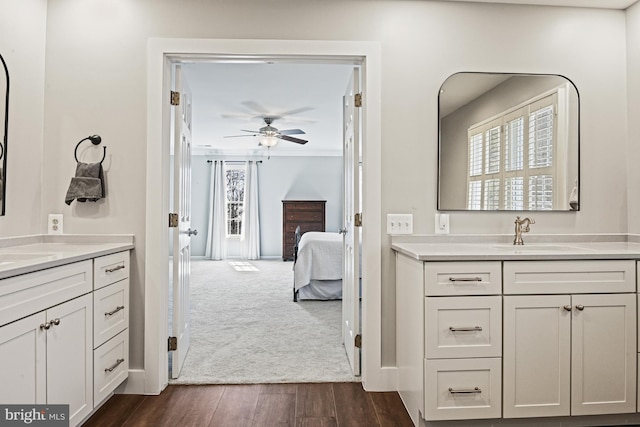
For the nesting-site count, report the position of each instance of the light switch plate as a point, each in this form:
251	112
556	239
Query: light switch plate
442	223
400	224
54	225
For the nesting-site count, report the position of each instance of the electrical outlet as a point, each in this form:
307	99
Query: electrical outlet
399	224
442	223
55	224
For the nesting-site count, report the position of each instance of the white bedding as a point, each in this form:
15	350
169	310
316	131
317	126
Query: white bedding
319	258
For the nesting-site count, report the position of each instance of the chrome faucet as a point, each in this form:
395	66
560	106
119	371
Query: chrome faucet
522	226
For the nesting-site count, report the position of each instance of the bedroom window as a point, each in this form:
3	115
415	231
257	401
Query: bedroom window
235	198
512	157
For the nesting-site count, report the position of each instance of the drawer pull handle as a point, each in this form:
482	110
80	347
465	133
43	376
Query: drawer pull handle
111	270
579	307
567	307
465	390
118	362
466	329
465	279
112	312
45	326
55	322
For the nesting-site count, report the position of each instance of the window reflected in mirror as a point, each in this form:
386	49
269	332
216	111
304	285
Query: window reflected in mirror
508	142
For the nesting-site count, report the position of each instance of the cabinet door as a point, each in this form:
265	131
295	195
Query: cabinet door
603	379
22	361
536	356
70	357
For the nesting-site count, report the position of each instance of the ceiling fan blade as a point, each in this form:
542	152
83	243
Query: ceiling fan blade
291	132
256	108
239	136
250	131
292	139
295	111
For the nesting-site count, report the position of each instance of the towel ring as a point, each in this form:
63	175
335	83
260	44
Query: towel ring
95	140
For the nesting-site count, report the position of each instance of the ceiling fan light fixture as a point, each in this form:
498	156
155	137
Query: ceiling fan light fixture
268	141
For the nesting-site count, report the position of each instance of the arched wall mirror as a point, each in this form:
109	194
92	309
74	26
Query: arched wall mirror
4	126
508	142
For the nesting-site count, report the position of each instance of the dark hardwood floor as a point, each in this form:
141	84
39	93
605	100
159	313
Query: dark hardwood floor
262	405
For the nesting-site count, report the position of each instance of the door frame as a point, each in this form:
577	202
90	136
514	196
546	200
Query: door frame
162	53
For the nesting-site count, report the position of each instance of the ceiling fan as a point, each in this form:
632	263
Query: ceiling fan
269	135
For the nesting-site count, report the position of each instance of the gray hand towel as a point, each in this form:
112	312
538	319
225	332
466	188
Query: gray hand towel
88	184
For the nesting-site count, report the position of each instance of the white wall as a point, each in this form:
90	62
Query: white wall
96	83
22	45
279	178
633	100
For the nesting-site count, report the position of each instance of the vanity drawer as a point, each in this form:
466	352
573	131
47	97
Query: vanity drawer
459	389
110	311
462	278
29	293
463	327
110	269
562	277
110	366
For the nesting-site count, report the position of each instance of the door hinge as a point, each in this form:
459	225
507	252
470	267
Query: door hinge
173	220
358	341
175	98
172	344
357	220
357	100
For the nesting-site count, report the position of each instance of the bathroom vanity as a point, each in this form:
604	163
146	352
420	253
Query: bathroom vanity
502	332
64	315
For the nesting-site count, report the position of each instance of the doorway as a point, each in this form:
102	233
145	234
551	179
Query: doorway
162	52
227	99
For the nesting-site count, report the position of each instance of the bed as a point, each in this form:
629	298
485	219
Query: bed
317	268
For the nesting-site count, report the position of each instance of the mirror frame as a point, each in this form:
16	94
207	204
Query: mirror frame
3	178
439	167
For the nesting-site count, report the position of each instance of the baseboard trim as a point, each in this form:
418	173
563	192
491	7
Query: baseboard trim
134	383
384	379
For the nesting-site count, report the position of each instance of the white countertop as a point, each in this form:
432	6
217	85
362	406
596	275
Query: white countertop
505	251
21	255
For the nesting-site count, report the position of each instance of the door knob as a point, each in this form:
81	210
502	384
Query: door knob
567	307
192	232
580	307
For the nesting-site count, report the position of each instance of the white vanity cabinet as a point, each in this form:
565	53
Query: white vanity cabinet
47	357
569	353
61	342
515	338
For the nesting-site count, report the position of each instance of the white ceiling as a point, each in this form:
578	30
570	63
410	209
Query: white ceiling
228	97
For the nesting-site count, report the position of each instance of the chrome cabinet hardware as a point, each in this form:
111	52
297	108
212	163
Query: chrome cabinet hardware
580	307
567	307
466	329
111	270
118	362
465	390
191	232
465	279
112	312
49	324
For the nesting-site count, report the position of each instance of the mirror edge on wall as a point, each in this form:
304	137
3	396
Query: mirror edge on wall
4	141
503	76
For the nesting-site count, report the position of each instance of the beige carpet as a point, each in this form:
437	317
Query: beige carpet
247	329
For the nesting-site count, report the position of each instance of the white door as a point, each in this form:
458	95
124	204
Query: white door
536	356
603	364
70	357
182	232
351	232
